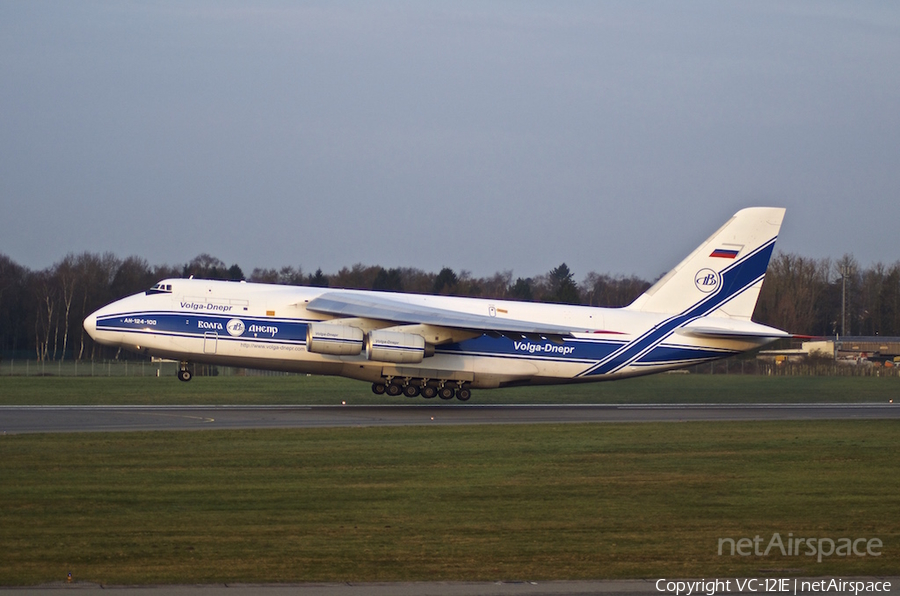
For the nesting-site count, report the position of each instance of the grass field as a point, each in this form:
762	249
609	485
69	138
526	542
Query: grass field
443	503
677	388
504	502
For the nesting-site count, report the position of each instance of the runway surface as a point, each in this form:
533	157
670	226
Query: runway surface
36	419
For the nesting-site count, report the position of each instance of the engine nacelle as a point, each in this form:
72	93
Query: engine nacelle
337	340
392	346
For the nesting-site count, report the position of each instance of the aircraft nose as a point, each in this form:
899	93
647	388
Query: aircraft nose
90	324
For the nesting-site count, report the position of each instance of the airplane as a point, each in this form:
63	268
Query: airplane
445	346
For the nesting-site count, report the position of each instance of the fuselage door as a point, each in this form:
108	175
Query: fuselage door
210	339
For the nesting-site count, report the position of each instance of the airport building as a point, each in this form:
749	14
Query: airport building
868	351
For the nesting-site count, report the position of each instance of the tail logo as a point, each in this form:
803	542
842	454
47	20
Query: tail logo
706	280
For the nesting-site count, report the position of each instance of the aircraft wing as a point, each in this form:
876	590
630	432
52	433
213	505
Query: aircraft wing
397	311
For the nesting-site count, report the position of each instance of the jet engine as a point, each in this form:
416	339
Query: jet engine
393	346
338	340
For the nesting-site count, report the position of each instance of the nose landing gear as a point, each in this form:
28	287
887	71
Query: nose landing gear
185	372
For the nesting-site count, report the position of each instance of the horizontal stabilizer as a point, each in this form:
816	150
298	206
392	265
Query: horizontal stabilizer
729	330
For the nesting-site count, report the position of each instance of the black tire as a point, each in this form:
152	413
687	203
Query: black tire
428	392
411	390
463	394
393	390
446	393
185	375
378	388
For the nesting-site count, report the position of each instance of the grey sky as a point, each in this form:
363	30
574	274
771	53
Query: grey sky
613	136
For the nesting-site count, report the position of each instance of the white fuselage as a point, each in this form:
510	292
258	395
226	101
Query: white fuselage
265	327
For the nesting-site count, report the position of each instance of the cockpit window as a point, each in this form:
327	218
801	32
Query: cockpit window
160	288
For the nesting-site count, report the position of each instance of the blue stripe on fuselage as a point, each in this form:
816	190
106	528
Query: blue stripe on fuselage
570	350
667	354
190	324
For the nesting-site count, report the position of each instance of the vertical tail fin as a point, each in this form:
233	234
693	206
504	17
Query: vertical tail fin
726	272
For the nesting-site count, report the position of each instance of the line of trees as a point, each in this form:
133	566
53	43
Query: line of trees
41	312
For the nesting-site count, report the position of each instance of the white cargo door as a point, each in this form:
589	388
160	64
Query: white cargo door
210	339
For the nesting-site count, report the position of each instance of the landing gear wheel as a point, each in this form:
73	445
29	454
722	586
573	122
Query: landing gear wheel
185	375
463	394
428	392
445	393
411	390
378	388
393	390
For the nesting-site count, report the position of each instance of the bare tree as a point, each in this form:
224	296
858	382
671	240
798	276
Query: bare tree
609	291
43	292
13	313
498	285
792	293
358	277
67	280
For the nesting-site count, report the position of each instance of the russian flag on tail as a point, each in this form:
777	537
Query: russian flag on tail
726	252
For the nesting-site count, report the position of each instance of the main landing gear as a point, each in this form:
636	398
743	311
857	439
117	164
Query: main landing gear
412	388
185	372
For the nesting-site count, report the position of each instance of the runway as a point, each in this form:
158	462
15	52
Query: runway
50	419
